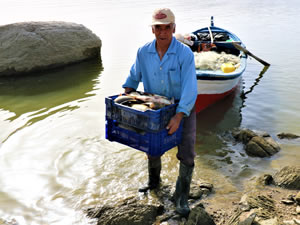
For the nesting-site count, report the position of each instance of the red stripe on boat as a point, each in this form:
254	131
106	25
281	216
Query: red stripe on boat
205	100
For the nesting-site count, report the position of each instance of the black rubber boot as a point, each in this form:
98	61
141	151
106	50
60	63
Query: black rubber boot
154	168
182	191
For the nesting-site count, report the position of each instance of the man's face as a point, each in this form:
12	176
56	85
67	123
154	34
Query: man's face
163	33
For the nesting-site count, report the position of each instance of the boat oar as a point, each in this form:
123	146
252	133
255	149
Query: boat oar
241	48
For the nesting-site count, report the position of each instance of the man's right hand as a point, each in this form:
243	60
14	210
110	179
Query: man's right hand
128	90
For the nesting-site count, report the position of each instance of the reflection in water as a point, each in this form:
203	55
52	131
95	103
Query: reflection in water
34	97
40	92
262	72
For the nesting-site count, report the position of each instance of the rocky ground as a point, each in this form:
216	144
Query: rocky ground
285	212
271	200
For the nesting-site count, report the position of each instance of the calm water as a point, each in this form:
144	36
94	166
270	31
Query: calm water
54	159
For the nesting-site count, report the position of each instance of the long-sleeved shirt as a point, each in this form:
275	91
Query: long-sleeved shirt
174	76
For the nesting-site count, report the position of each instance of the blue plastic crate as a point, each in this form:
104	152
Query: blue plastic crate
152	143
150	120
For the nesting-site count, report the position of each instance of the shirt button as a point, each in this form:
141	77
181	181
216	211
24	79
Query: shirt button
162	81
160	68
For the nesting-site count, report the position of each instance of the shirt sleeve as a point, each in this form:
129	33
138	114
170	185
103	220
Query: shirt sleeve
188	84
135	75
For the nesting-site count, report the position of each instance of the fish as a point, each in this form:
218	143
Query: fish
123	98
143	101
140	107
146	97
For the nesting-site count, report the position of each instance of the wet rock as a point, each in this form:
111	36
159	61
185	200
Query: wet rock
198	216
130	211
265	179
287	201
263	206
249	220
287	136
261	147
297	198
200	188
288	177
273	221
244	135
289	222
259	144
35	46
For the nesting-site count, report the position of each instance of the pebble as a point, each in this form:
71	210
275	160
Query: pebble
287	202
288	222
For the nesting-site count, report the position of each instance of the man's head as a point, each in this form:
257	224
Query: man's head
163	16
163	25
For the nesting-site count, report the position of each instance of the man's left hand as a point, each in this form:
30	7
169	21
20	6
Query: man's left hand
175	122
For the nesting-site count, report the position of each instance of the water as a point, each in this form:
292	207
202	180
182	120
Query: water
54	159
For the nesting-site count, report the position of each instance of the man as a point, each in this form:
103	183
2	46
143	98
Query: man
166	67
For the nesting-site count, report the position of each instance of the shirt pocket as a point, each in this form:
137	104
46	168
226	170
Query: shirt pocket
174	77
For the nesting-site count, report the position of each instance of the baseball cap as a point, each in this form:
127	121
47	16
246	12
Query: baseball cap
162	16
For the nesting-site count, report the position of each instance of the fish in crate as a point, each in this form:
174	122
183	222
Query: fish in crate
139	120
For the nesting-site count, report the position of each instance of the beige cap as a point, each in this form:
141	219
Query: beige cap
162	16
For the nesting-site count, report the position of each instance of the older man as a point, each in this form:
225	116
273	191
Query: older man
166	67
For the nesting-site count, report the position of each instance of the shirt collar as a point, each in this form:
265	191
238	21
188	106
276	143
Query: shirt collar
171	49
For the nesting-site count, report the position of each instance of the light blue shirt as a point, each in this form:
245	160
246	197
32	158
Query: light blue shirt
174	76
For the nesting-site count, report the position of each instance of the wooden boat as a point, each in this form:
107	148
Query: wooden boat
214	85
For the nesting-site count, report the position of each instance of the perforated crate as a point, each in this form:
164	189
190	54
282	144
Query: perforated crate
152	143
150	120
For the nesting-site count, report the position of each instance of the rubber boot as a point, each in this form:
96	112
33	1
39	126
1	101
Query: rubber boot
154	168
182	191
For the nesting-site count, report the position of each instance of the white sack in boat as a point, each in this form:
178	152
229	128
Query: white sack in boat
212	60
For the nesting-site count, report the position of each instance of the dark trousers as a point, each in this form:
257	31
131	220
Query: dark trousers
186	149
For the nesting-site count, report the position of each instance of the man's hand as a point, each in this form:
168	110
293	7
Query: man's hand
128	90
175	122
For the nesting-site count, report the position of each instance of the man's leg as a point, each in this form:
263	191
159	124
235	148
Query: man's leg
154	168
186	154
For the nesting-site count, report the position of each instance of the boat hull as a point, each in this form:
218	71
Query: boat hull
212	86
210	92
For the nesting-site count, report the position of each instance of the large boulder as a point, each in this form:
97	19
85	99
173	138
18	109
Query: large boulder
259	144
33	46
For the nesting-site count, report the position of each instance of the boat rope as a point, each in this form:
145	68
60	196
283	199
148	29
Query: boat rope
211	36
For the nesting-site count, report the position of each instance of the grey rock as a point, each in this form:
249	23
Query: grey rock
254	149
261	147
258	144
199	188
287	136
244	135
263	206
130	211
288	177
265	179
273	221
249	220
198	216
34	46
